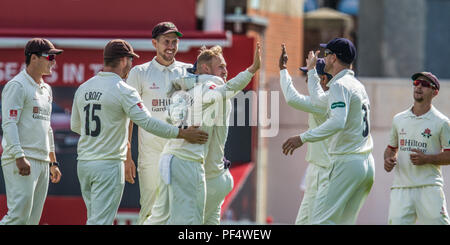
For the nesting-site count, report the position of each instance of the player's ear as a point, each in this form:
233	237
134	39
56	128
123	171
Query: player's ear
124	61
154	42
204	68
435	92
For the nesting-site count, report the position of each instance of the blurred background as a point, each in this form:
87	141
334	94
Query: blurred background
394	39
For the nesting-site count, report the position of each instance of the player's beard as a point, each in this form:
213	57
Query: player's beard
126	71
168	57
419	98
418	95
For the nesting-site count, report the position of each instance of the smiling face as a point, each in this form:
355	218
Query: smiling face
219	67
166	48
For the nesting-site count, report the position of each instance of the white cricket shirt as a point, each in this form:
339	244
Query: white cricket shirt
100	114
151	80
348	125
429	133
317	152
209	108
26	111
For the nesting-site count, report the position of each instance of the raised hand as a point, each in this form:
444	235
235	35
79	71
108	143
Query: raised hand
312	59
256	59
282	63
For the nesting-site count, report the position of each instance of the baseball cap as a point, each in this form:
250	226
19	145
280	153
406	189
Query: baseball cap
118	48
343	48
193	69
428	75
164	28
41	45
320	66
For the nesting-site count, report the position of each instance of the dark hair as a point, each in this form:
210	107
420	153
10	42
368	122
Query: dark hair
28	57
329	76
111	62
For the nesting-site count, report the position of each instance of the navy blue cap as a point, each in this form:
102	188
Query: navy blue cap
193	69
343	48
320	67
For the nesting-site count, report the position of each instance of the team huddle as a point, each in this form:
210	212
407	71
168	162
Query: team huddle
182	112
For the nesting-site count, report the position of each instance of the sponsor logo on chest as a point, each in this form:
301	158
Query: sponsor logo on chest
159	105
408	143
41	113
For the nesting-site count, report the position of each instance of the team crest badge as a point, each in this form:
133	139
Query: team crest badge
402	132
13	114
427	133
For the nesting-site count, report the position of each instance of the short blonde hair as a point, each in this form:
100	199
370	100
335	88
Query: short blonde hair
206	55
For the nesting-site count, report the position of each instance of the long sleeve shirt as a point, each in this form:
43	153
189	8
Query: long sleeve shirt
348	125
101	111
317	152
151	80
209	109
26	111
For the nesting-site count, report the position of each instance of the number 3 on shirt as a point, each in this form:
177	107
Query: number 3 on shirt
94	118
366	110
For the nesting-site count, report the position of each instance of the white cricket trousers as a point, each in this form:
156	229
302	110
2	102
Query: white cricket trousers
425	204
216	190
102	183
182	201
316	176
148	175
25	194
340	198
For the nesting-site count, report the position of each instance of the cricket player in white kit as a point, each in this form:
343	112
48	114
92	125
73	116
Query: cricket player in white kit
151	80
101	108
350	143
219	181
28	144
317	153
418	136
187	195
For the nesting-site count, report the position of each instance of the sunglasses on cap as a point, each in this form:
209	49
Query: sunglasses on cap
50	57
424	83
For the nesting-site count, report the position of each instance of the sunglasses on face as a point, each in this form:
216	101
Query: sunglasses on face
424	83
50	57
328	52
